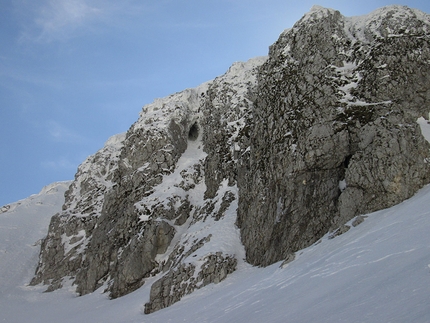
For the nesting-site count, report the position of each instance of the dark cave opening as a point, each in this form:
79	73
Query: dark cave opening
193	133
346	161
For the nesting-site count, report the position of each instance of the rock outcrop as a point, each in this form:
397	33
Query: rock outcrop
285	148
334	127
144	205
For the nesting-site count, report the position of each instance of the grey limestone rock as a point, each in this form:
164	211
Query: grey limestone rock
334	127
186	278
100	237
136	207
285	148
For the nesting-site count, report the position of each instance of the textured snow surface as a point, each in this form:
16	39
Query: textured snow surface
361	27
378	271
357	25
22	225
158	114
162	193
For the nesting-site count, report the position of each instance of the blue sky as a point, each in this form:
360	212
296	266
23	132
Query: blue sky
75	72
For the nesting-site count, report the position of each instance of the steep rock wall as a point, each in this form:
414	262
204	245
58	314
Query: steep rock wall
99	238
158	199
334	127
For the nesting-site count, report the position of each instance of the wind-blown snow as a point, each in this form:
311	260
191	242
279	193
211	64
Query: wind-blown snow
370	25
376	272
22	225
356	26
223	233
170	185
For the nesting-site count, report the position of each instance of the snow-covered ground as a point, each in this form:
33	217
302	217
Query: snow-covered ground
378	271
22	225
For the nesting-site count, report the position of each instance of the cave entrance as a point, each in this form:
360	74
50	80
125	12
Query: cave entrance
346	161
193	133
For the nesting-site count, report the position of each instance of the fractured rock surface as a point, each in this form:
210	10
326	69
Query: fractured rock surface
335	130
256	164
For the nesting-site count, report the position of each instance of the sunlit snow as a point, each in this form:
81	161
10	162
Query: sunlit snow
376	272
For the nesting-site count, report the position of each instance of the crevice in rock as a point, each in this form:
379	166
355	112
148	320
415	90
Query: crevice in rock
193	133
346	161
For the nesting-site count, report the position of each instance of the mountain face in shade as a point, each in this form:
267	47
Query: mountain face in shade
254	165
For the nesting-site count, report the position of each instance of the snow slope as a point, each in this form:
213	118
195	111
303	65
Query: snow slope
22	225
378	271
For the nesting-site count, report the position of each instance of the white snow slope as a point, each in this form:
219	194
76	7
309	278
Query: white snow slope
378	271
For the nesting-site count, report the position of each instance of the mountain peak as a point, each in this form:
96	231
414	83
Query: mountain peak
389	21
316	13
258	163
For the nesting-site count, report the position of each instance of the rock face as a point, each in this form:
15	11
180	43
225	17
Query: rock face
285	148
335	132
158	200
334	128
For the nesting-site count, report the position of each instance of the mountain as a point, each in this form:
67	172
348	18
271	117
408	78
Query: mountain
334	127
254	166
376	272
23	224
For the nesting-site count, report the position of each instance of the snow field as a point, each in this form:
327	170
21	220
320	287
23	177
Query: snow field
378	271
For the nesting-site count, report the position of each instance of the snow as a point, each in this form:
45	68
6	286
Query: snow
316	13
68	245
342	185
425	128
350	78
22	225
116	141
378	271
224	235
356	27
170	185
157	115
359	28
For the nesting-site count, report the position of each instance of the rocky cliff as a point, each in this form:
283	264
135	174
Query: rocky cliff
256	164
334	127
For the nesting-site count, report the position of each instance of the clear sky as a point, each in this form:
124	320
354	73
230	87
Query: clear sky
75	72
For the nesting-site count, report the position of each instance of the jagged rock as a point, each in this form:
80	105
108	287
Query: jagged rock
287	260
120	241
287	147
358	220
135	208
187	278
4	208
337	103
